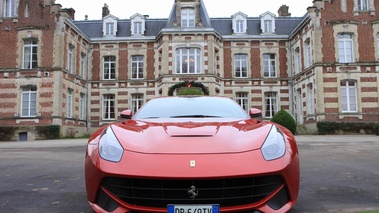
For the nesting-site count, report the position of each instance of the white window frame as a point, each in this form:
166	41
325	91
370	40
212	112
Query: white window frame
69	103
109	107
242	98
82	104
9	8
188	61
297	61
30	54
138	28
28	101
268	26
345	48
136	102
27	10
363	5
109	28
138	66
308	53
70	59
270	104
239	26
310	100
187	17
109	67
82	64
269	61
241	65
349	99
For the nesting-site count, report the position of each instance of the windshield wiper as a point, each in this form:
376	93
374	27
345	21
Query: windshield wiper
195	116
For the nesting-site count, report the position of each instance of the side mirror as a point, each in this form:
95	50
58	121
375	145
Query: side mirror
127	114
254	113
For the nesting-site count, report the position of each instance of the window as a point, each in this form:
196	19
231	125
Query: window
267	23
345	48
137	66
82	64
137	102
308	53
240	65
109	107
82	106
188	61
109	67
188	18
271	105
69	103
30	49
297	60
29	101
242	100
138	28
377	44
239	26
269	61
9	7
109	28
70	59
349	96
310	100
27	11
362	4
267	26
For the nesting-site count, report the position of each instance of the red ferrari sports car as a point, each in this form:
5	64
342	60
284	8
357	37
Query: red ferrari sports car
192	155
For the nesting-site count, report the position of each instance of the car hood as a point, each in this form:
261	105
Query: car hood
190	137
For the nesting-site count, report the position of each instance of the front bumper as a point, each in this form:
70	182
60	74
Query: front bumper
112	187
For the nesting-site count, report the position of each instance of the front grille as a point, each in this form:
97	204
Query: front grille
160	192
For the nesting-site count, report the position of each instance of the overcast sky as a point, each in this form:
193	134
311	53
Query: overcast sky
124	9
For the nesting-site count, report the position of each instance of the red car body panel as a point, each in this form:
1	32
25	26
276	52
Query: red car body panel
185	149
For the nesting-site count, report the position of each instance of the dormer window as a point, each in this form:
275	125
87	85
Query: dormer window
188	17
138	24
109	28
268	23
239	23
110	25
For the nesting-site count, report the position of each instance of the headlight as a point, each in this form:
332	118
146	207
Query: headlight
109	147
274	145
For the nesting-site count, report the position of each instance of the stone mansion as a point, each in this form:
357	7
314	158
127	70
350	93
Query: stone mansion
55	70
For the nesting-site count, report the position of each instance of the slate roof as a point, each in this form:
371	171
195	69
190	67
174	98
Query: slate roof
223	26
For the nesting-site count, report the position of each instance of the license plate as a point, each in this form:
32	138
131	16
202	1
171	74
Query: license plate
193	208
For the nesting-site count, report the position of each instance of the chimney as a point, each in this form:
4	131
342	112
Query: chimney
283	10
70	12
105	10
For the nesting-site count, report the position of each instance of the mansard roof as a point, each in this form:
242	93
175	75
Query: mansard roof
222	26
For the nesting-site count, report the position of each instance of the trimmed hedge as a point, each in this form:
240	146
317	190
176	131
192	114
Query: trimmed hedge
7	132
285	119
376	129
48	132
331	128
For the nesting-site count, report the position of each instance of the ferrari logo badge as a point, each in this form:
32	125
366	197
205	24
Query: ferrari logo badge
193	192
192	163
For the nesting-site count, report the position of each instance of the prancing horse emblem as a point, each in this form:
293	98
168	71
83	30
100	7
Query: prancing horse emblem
193	192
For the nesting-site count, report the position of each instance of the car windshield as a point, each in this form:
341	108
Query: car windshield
191	107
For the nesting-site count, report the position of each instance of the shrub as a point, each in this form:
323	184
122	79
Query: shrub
48	132
325	127
376	129
190	91
285	119
7	132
